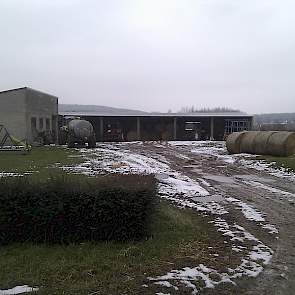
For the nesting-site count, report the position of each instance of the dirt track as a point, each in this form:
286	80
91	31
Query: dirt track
258	205
279	276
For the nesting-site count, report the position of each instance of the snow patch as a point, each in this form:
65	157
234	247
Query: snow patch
108	160
18	290
249	212
269	188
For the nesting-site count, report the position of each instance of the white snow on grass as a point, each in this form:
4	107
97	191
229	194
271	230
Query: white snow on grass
102	161
215	152
269	188
218	150
10	174
212	208
249	212
187	277
270	228
16	174
18	290
263	166
208	148
201	277
253	214
166	284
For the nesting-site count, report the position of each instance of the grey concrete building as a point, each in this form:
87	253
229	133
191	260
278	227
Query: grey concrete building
29	114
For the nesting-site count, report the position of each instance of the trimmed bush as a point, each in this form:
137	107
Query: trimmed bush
73	209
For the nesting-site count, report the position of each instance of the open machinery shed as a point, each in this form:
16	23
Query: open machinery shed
163	126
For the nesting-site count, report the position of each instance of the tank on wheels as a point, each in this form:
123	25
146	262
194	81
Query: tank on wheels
81	132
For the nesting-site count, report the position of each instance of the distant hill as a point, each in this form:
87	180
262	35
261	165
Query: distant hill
65	108
274	118
275	121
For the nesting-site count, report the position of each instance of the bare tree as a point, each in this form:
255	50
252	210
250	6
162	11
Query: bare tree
193	109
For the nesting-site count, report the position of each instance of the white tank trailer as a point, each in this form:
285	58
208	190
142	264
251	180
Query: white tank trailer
273	143
81	132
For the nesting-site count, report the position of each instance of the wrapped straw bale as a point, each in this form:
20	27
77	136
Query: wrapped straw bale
260	142
233	142
247	143
274	143
281	143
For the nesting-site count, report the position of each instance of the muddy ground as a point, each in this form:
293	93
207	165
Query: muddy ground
251	203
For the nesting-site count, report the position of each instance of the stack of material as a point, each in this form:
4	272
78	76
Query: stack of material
275	143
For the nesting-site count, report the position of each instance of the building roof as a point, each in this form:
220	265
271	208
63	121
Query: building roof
199	114
22	88
14	89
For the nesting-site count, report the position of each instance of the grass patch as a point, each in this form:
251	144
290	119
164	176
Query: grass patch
285	162
41	162
180	238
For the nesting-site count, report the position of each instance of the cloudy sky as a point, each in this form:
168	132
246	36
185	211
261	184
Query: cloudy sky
152	55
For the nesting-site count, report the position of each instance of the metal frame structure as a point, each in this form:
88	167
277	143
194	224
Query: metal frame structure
10	144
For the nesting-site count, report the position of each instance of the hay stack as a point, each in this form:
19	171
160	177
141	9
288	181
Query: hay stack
247	143
275	143
260	142
281	143
233	142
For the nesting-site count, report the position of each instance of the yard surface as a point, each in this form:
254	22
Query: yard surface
225	225
284	162
39	163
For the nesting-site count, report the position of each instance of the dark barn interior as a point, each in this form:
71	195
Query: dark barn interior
163	127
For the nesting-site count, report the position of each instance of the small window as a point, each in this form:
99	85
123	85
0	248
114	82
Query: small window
191	126
41	124
33	123
47	124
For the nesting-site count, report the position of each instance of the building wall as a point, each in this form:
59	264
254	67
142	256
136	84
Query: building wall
19	106
13	112
42	109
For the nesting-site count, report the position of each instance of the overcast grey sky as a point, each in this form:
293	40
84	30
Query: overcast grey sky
152	55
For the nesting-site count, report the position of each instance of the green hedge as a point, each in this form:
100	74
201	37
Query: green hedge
71	209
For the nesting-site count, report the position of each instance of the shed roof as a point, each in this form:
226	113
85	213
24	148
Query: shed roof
199	114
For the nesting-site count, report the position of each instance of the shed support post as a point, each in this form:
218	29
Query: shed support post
250	124
175	128
138	128
212	128
101	128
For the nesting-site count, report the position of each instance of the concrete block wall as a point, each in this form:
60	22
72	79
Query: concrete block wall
13	112
19	106
41	106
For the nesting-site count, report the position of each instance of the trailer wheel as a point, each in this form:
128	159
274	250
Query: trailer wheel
71	142
92	142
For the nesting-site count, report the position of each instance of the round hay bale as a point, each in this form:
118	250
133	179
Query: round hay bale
132	136
247	143
260	142
281	143
233	142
